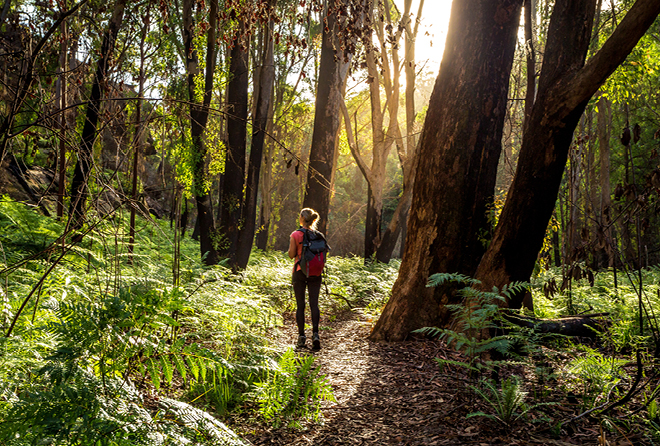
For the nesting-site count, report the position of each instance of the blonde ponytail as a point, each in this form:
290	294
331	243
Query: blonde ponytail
310	218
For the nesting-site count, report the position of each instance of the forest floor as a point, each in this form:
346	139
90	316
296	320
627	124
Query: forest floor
395	394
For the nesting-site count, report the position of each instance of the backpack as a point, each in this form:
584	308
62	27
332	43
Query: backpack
314	251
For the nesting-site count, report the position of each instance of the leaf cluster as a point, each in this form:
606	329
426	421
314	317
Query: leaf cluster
507	403
478	314
293	391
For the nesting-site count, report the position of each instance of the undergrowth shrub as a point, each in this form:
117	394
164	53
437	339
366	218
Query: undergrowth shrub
595	375
507	402
475	317
481	331
353	284
24	230
101	340
69	405
620	302
292	391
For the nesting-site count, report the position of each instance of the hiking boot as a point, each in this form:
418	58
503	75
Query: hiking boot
301	341
316	342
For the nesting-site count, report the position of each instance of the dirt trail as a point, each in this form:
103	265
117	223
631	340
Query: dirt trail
387	394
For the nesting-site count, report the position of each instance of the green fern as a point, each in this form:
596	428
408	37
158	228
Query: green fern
480	312
438	279
507	403
595	374
292	391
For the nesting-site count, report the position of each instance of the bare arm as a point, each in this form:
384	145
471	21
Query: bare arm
293	248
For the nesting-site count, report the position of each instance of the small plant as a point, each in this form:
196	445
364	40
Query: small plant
653	413
508	403
478	314
596	373
653	410
292	391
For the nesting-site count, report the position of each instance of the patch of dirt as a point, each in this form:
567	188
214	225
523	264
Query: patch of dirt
395	394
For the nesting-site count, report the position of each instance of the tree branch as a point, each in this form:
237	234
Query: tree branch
353	144
22	90
589	79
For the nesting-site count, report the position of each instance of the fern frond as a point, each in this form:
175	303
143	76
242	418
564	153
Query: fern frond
441	278
465	365
430	331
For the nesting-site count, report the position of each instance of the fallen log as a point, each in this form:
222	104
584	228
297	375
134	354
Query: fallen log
589	326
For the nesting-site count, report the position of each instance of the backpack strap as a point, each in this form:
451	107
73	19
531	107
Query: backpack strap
304	233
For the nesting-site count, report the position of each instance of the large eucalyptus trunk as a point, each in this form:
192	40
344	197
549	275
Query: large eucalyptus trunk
459	154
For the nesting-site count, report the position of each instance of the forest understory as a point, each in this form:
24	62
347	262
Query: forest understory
395	394
96	347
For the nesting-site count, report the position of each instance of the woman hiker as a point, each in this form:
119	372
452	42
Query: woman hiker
301	281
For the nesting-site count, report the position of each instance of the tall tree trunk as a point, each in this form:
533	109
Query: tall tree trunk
383	137
629	256
397	225
385	73
591	185
85	153
530	53
333	70
259	126
199	114
605	203
573	204
462	133
373	221
62	86
566	84
234	176
137	138
261	238
407	149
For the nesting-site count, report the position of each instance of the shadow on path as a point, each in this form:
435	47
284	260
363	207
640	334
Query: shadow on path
387	393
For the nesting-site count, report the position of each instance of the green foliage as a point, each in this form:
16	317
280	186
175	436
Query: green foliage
293	391
69	405
595	375
84	390
100	335
356	285
653	413
621	303
507	403
478	314
24	230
